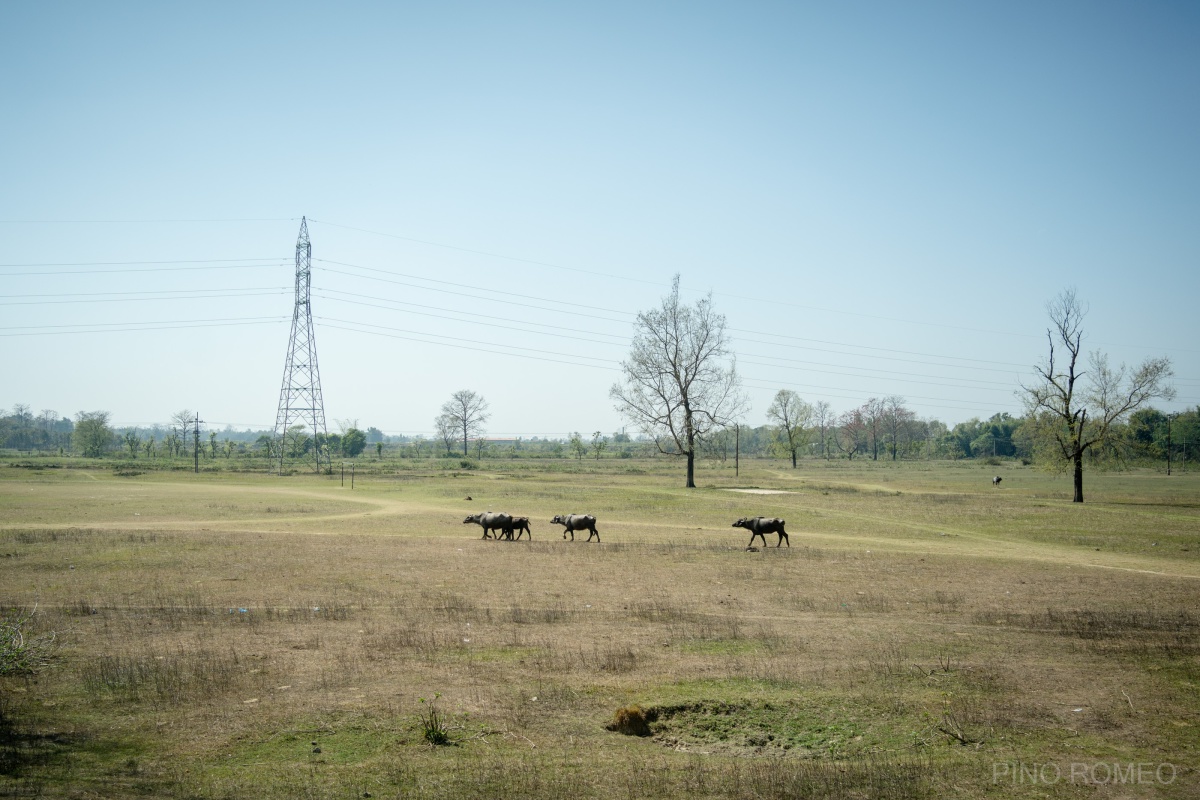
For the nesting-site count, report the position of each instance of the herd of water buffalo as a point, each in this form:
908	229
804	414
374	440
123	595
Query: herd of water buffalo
502	526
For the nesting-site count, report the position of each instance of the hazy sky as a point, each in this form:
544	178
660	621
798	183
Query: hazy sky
881	198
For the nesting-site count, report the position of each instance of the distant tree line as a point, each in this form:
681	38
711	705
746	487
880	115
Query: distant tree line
879	429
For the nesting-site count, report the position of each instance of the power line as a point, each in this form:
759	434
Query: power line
878	349
275	260
860	397
654	283
555	331
472	341
139	299
111	327
742	355
492	255
135	221
589	306
466	347
874	377
720	294
773	384
158	291
150	269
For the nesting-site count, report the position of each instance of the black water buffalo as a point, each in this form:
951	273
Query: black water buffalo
490	521
759	526
519	524
576	522
996	480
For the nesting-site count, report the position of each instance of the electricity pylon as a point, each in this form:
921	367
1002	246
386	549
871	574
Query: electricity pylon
300	402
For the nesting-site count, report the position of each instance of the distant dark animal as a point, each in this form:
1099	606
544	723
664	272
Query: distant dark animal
490	521
996	480
576	522
519	524
468	497
759	526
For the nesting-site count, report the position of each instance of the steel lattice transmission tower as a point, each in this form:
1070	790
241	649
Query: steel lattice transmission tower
300	400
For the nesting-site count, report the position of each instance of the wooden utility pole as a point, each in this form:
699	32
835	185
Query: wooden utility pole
1169	443
737	449
196	444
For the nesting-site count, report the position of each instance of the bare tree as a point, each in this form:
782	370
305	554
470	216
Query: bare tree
897	422
872	417
1074	415
180	422
445	425
793	416
23	416
823	419
468	411
680	380
850	435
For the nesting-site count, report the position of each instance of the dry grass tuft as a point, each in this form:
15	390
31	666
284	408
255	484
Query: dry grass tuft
630	721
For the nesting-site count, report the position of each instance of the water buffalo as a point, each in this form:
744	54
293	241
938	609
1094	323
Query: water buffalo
996	480
519	524
576	522
758	526
490	521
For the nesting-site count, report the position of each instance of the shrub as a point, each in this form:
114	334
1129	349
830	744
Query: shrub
20	652
433	723
630	721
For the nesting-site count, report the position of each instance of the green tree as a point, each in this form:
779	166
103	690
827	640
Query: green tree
791	415
577	446
93	436
599	444
1073	415
1146	433
133	442
297	442
354	442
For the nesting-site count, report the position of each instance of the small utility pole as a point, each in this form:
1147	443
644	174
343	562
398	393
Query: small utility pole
196	444
1169	444
737	449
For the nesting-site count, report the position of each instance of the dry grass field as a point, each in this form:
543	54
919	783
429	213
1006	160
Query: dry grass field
925	635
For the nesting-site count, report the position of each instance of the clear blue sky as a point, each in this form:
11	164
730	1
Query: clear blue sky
899	187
